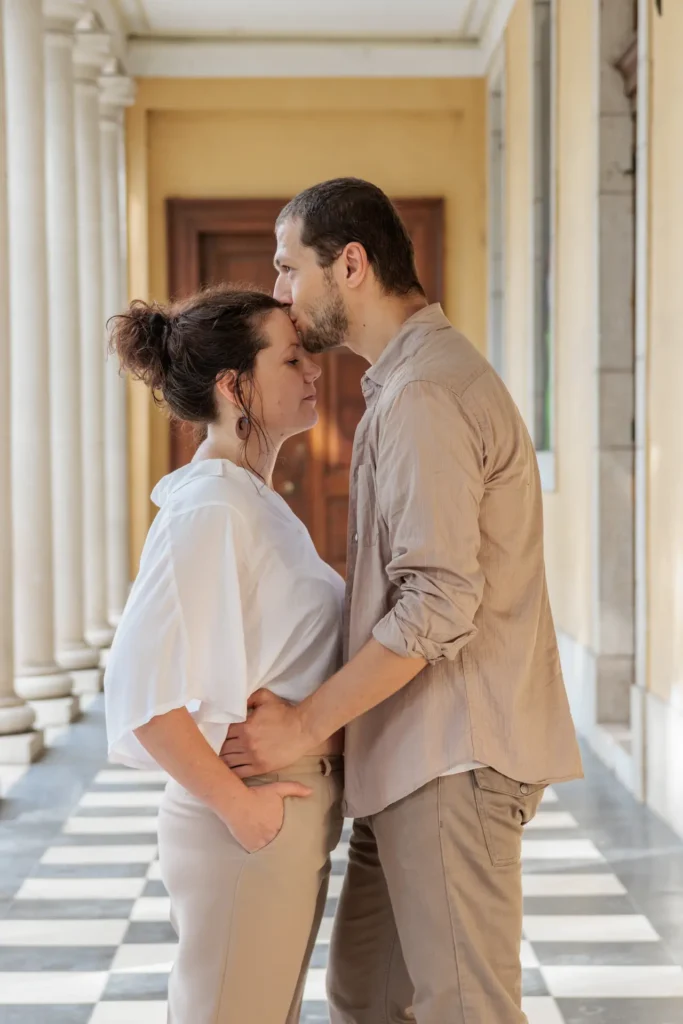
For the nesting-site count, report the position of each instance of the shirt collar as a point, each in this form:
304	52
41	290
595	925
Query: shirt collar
403	345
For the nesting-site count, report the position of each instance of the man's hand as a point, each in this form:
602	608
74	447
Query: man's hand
258	818
273	737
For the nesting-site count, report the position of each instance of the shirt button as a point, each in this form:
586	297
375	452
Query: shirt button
524	789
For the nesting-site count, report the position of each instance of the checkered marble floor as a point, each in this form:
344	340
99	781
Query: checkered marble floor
85	936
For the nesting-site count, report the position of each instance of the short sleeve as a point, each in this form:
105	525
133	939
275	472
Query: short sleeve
180	642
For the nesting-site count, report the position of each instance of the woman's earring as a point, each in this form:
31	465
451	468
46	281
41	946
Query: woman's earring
242	428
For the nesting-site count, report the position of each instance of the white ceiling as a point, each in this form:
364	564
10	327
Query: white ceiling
340	19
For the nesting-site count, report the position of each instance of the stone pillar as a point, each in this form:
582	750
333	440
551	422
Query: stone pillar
116	92
19	743
90	54
73	653
38	677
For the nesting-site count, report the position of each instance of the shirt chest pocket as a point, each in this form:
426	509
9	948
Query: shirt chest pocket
367	515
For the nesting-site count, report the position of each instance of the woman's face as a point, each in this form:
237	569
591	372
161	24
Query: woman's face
284	399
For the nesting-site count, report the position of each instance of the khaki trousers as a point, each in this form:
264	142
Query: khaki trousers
429	923
247	923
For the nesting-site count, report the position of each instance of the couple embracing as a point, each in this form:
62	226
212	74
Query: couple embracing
424	697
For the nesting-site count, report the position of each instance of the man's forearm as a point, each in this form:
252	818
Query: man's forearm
373	675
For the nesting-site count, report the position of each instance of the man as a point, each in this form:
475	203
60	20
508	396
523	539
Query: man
452	695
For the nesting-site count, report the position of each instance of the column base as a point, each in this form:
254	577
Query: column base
75	659
58	711
52	683
104	656
22	747
100	636
15	716
87	681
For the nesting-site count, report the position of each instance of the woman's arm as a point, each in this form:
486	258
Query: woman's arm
254	815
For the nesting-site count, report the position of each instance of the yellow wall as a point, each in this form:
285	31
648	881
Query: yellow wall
568	514
260	138
665	363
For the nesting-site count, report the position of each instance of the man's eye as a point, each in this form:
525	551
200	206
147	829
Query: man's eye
293	362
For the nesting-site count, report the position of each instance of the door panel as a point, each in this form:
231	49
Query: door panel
216	241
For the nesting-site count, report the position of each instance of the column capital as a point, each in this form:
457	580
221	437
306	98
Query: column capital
116	92
92	50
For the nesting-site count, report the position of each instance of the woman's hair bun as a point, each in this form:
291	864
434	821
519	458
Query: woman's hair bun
140	338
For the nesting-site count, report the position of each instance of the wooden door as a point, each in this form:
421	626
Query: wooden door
221	240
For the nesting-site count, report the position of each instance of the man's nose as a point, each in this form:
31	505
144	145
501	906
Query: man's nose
281	291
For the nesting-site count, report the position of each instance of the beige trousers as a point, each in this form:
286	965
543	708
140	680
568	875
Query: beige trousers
429	923
247	923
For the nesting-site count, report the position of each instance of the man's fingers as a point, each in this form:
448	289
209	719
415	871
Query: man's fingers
244	771
292	789
260	697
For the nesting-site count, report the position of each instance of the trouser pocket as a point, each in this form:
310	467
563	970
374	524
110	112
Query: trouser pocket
504	807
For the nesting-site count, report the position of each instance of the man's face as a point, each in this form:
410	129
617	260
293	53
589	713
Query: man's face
316	305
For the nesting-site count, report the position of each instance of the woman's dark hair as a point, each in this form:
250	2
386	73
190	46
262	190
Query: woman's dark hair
334	213
182	349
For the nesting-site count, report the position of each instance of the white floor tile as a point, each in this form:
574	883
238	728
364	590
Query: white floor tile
614	982
51	987
550	796
118	1011
129	798
560	849
542	1010
572	885
154	873
553	820
81	889
341	853
110	826
62	933
56	735
129	777
99	855
335	887
315	985
145	958
325	932
152	908
527	955
589	928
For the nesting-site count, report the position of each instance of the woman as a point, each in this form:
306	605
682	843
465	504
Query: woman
231	597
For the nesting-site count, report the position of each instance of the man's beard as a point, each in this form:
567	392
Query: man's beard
328	326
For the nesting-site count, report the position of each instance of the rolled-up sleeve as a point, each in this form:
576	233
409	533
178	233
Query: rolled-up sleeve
430	482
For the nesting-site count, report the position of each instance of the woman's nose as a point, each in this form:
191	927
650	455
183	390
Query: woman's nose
312	370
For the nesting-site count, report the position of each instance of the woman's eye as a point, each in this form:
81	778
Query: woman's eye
293	362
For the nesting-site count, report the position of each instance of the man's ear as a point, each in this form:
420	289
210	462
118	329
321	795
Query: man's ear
355	264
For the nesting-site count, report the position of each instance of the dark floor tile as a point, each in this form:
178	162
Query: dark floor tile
533	983
154	888
116	812
136	986
56	958
621	1011
314	1013
150	931
320	956
605	954
40	910
103	871
78	1014
578	905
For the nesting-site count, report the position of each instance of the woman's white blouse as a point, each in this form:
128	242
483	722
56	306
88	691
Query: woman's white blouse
231	597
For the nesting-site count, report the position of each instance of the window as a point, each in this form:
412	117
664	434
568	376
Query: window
543	234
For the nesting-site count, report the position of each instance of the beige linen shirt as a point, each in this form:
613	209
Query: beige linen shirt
446	563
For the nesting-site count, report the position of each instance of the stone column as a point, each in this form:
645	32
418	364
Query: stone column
73	653
116	92
38	677
90	54
19	743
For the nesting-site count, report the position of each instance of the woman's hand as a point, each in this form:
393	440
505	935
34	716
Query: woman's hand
258	818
